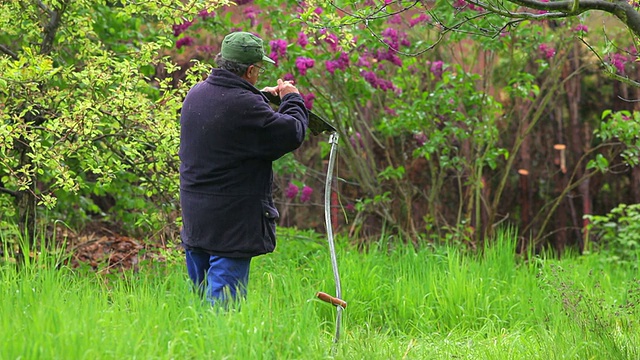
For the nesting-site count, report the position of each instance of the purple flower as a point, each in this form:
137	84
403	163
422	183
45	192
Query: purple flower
356	140
618	61
308	100
204	14
303	41
420	139
437	68
350	207
180	28
330	39
395	19
581	27
303	64
547	51
420	19
206	48
306	193
185	41
391	37
288	77
292	191
342	62
318	10
376	82
278	49
363	62
389	55
390	111
251	13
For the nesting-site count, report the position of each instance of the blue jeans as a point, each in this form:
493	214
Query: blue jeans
220	278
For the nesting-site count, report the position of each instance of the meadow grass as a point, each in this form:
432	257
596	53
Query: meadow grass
432	303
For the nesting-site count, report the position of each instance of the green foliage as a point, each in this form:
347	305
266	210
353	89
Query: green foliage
83	116
622	127
90	119
617	234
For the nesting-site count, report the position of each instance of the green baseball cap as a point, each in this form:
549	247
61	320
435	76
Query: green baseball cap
244	48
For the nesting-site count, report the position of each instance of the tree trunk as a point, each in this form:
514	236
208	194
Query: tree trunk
579	134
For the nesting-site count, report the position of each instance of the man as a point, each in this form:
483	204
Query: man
229	138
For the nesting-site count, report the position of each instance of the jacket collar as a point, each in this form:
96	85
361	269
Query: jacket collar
225	78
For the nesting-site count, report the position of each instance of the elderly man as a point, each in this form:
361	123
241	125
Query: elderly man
229	137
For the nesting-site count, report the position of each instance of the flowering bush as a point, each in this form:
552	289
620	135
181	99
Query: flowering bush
394	107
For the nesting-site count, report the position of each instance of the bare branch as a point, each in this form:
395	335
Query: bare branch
8	51
44	7
9	192
51	28
621	9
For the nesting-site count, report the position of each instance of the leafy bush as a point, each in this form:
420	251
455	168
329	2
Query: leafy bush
617	234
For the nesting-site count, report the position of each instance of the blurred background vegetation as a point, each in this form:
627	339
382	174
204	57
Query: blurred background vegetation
453	119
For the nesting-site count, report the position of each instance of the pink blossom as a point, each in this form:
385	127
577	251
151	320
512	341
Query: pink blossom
363	62
308	100
462	5
204	14
303	64
288	77
206	48
376	82
581	27
356	140
420	139
342	62
420	19
330	39
391	37
437	68
395	19
306	193
547	51
618	61
302	39
389	55
278	49
251	13
185	41
180	28
292	191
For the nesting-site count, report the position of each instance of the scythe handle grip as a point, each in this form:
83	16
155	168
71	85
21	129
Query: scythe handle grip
331	300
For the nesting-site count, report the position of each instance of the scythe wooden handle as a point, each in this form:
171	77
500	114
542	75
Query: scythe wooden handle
331	300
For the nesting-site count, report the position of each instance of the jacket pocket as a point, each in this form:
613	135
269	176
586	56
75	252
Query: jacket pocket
269	216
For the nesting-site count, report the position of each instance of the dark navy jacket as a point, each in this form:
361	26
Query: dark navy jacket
229	138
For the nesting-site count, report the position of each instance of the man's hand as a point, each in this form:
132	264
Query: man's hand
283	88
286	87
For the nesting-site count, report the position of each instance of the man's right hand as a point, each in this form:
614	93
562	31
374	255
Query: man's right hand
286	87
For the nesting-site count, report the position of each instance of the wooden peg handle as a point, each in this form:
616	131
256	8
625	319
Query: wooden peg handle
331	300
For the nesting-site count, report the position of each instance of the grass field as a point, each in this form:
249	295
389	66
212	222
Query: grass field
402	304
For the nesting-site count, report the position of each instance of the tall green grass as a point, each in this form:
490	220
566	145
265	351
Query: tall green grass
402	304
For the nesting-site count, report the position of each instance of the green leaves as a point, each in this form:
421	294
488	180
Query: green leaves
622	127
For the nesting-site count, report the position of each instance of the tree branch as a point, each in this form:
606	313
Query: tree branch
621	9
8	51
9	192
51	28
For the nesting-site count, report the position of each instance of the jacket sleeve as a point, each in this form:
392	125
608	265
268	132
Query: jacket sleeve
279	132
